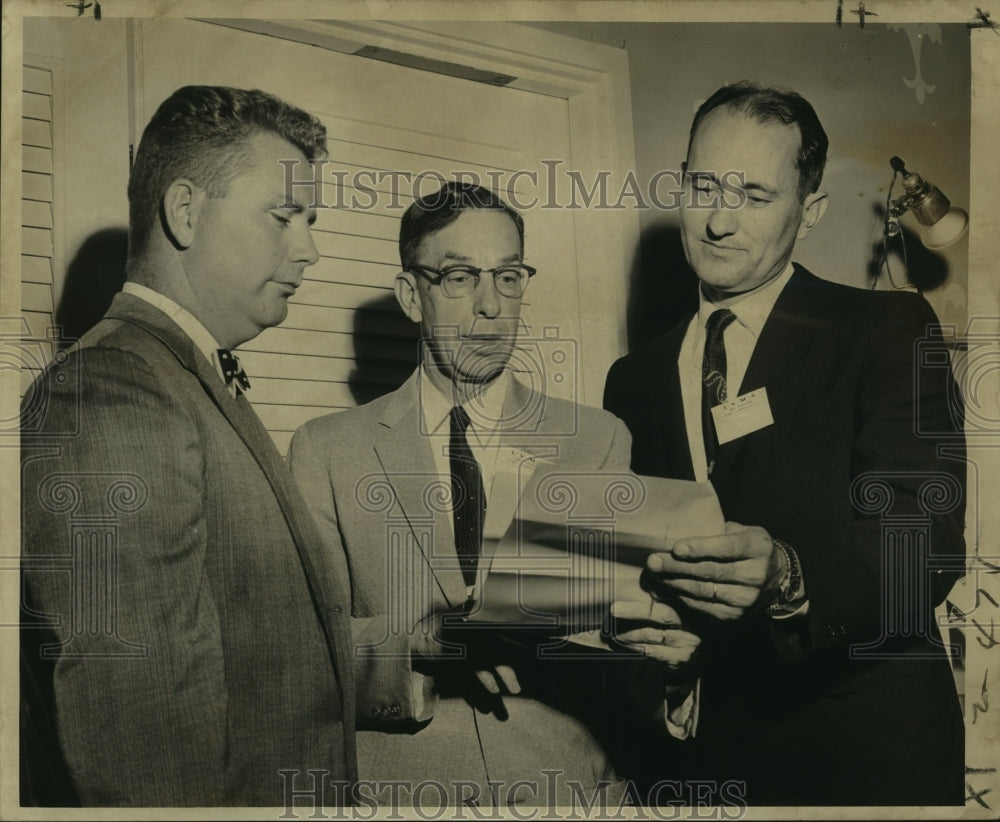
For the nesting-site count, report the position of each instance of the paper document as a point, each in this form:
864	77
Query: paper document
579	541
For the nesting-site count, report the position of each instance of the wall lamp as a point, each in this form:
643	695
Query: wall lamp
941	224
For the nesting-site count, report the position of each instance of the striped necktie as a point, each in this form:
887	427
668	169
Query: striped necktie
713	379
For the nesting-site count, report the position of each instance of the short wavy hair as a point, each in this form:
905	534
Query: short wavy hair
203	133
770	104
430	214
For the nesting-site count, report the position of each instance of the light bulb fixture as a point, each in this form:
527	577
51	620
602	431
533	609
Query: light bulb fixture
942	224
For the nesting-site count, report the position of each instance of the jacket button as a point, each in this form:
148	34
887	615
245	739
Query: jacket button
395	709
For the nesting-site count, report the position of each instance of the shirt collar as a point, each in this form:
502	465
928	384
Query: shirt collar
484	411
751	308
189	324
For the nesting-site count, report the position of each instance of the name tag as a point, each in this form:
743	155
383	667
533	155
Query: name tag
743	415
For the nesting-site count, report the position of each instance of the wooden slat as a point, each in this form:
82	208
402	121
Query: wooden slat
37	80
37	106
36	214
347	321
416	172
378	158
36	133
356	189
273	391
36	159
36	270
287	417
336	195
39	323
259	364
356	272
282	441
350	247
433	142
319	318
36	242
37	353
319	343
352	190
35	297
342	295
37	224
36	186
361	223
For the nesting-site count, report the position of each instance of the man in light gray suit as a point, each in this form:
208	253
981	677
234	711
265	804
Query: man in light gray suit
470	717
192	644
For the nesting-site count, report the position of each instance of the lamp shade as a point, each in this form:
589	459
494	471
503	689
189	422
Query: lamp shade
946	231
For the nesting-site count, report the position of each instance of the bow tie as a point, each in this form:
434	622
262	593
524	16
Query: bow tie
232	370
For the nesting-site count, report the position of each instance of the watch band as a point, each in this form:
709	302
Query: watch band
789	590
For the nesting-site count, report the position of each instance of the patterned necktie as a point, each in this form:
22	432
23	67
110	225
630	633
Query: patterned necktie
232	370
713	378
468	496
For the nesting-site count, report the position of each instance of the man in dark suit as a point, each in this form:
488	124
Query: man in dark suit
187	639
824	678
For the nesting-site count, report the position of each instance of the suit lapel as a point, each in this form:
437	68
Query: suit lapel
251	431
669	407
405	456
773	355
789	320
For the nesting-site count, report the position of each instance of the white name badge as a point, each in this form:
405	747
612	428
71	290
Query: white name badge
741	416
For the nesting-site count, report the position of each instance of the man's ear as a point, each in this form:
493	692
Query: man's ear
813	209
408	296
182	206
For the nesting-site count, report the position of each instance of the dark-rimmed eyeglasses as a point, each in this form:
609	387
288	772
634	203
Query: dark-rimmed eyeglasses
462	280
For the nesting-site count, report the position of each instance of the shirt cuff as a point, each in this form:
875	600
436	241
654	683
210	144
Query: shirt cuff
423	695
681	705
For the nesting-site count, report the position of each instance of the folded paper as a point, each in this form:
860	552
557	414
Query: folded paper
579	541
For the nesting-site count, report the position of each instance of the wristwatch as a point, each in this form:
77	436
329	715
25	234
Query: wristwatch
790	588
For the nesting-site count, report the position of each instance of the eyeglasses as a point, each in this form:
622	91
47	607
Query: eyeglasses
462	280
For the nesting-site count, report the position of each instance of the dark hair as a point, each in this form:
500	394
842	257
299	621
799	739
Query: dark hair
427	215
776	105
203	133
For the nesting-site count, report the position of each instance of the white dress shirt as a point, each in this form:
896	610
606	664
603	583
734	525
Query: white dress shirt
189	324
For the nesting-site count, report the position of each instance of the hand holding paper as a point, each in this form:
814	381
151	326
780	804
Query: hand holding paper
657	631
579	542
724	576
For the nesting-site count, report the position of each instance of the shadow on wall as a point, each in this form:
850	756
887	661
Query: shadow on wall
94	276
662	287
386	349
910	261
